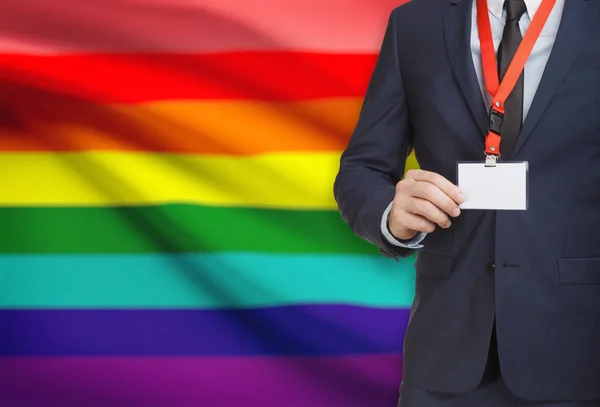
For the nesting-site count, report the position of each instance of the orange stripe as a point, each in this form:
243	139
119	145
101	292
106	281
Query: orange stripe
134	78
47	122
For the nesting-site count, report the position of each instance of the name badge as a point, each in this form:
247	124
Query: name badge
502	186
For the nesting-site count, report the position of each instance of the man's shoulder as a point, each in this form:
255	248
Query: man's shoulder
412	16
412	7
418	12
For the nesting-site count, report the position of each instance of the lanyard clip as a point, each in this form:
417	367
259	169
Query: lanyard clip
492	141
496	120
490	160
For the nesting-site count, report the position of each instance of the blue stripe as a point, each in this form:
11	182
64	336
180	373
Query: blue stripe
294	330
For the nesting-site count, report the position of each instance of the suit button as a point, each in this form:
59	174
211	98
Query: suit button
491	267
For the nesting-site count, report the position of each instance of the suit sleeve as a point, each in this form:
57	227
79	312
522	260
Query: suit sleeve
375	157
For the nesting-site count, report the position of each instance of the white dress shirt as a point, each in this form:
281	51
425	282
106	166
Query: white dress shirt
534	68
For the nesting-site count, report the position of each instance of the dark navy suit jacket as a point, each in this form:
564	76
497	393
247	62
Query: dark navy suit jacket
545	290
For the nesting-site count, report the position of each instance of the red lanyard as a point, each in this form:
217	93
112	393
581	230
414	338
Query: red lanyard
501	91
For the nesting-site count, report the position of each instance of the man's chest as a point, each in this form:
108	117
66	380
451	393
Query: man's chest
540	54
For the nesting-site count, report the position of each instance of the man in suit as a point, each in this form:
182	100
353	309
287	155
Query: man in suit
507	305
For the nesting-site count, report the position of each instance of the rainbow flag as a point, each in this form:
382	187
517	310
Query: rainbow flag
168	231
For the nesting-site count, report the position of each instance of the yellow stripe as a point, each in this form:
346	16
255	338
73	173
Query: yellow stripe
285	180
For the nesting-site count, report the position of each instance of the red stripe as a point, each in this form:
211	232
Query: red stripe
132	78
72	26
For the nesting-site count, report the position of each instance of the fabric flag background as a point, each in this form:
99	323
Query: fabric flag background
169	236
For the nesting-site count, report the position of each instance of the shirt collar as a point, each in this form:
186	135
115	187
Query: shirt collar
496	7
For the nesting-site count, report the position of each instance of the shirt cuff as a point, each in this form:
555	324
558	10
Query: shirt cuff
414	243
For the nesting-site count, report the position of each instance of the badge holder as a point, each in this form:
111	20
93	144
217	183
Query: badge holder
494	185
503	186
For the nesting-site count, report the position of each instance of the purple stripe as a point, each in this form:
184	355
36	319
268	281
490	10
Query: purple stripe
357	381
308	330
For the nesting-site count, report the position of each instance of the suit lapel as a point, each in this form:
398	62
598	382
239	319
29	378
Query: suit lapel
577	20
457	34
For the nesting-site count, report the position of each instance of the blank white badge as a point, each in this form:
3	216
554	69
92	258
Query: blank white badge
503	187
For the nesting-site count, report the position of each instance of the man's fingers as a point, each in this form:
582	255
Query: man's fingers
427	199
440	182
428	211
431	193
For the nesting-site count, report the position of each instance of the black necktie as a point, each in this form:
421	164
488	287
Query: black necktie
513	107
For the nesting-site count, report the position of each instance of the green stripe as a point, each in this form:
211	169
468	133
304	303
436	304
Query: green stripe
209	280
175	229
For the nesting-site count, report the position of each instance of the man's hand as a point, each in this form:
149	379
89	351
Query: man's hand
423	200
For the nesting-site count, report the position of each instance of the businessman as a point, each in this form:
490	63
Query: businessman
507	305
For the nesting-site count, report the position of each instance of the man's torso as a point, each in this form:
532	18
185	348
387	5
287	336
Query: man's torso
544	290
